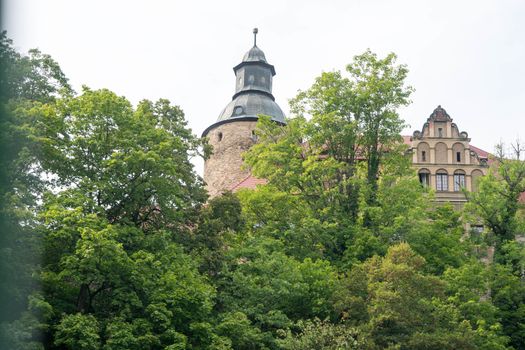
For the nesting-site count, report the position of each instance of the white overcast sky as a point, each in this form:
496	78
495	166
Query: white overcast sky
468	56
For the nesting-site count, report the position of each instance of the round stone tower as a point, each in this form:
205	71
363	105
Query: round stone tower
233	132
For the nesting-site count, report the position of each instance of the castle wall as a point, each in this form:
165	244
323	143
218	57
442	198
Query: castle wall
224	169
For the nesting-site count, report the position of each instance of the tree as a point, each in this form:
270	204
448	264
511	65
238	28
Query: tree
126	189
323	335
408	308
32	77
109	187
379	89
274	290
78	332
329	158
26	80
356	117
269	212
133	164
216	224
437	236
497	201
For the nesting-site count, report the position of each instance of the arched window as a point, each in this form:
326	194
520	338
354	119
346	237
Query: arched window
458	152
475	175
423	152
424	177
459	180
441	153
441	180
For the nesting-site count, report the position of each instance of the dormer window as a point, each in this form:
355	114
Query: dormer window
237	110
440	132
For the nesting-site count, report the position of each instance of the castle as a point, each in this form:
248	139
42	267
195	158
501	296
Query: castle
441	153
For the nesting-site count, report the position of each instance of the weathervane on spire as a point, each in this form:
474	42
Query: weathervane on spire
255	31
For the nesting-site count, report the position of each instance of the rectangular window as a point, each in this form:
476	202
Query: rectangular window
442	182
458	156
459	182
423	156
440	132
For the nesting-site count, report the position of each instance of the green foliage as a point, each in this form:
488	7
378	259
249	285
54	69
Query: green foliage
117	271
323	335
508	296
216	224
35	77
325	167
317	158
106	215
133	164
25	80
400	295
237	327
269	212
408	308
438	238
262	280
77	331
120	188
497	200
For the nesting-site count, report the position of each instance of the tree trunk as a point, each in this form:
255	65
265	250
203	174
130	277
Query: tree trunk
83	300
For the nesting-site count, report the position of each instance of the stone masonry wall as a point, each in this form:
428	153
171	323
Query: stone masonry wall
223	169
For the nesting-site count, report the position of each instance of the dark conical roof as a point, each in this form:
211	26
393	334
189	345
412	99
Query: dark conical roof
253	91
252	104
254	55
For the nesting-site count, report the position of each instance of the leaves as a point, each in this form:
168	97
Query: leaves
341	249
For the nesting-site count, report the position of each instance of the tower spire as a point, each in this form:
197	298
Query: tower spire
255	31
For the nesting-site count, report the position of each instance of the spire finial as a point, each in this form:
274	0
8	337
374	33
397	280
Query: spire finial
255	31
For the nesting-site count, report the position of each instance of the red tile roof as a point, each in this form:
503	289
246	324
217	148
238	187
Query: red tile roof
250	182
481	153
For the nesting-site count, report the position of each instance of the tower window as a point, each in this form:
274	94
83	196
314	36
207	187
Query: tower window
219	136
458	156
423	156
237	110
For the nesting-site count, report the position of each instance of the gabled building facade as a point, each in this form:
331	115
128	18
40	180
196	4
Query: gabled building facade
445	160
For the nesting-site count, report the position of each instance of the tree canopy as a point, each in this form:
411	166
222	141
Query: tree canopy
110	242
